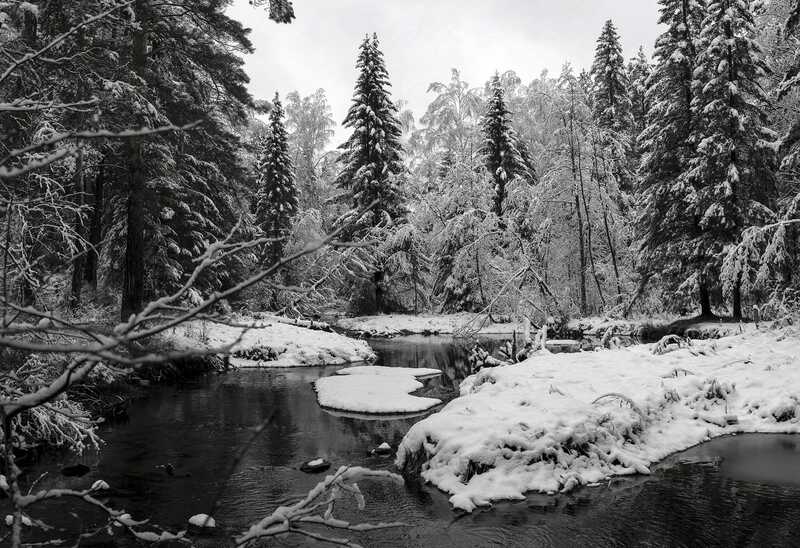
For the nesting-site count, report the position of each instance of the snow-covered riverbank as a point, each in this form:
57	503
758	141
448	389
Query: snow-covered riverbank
393	325
271	343
558	421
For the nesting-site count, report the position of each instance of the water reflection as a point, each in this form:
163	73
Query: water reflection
736	491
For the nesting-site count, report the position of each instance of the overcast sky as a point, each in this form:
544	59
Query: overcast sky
423	39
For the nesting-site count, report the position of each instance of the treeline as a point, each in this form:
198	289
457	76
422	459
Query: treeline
640	184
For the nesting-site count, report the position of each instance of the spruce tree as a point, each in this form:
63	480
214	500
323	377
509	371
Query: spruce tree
639	71
501	157
733	171
612	102
276	195
665	228
371	157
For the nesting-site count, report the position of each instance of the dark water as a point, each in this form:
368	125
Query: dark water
737	491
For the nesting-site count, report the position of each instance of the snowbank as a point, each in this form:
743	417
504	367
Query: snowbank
393	325
271	344
555	422
375	390
596	326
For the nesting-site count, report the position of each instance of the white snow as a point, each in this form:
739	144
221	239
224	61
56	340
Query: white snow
375	390
316	462
418	372
100	485
25	520
392	325
558	421
294	346
202	520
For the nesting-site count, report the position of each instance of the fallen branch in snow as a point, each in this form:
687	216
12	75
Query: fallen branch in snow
317	509
670	343
308	324
621	398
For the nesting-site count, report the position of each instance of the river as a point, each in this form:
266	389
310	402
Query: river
196	449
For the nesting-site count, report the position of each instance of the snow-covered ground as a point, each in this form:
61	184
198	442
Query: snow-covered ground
271	343
392	325
375	390
557	421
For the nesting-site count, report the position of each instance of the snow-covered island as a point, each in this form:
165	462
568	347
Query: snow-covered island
376	390
393	325
270	343
559	421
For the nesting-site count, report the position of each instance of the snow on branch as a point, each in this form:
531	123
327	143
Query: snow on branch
317	509
29	57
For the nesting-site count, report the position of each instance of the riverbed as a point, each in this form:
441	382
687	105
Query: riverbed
232	445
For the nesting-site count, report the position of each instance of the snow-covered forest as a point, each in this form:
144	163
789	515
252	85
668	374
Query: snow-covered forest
154	213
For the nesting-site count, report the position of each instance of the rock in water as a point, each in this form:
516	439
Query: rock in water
203	521
75	471
314	466
383	449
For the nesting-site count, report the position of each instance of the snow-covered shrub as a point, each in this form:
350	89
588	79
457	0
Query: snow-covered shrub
766	262
60	423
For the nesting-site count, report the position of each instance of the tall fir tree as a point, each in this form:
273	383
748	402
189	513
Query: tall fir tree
502	159
665	228
276	194
639	71
733	171
371	157
612	103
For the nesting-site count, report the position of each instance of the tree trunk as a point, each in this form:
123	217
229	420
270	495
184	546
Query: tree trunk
589	229
79	261
96	227
705	301
582	255
575	176
133	276
377	279
737	300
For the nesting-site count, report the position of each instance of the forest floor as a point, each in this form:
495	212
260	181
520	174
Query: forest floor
558	421
270	343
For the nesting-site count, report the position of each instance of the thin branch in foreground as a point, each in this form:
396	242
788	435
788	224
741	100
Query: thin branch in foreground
289	519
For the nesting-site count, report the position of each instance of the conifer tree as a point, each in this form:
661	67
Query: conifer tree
664	225
733	171
371	157
502	159
612	101
639	71
276	198
612	106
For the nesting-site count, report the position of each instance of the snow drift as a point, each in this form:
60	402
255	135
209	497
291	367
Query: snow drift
555	422
271	343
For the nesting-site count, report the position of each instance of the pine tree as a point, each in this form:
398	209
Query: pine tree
639	71
664	226
733	171
276	198
502	159
371	158
612	102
